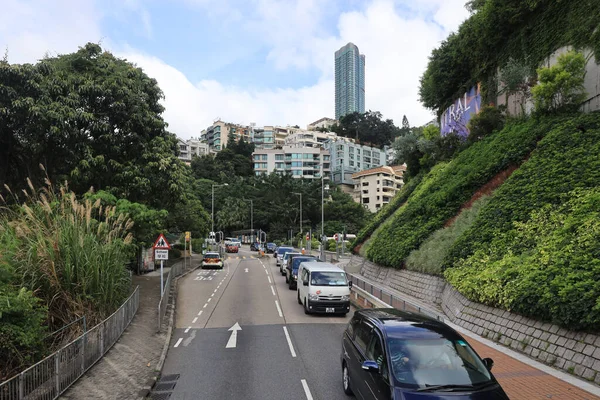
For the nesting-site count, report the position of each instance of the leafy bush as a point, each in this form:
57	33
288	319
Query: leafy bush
430	255
448	186
197	245
547	268
487	121
174	253
179	246
331	245
565	159
561	86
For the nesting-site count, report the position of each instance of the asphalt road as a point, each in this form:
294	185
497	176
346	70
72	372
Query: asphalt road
278	351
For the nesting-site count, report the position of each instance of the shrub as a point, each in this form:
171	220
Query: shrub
331	245
174	253
430	255
448	186
197	245
561	86
490	119
179	246
548	268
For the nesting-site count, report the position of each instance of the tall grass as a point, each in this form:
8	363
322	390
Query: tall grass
70	253
429	257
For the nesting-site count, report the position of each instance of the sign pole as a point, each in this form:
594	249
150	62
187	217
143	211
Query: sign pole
161	278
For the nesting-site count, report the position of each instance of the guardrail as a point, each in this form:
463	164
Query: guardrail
176	270
391	299
52	376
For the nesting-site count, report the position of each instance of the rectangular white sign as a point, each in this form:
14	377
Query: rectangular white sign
160	254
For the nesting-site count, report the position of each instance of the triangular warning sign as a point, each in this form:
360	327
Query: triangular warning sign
161	243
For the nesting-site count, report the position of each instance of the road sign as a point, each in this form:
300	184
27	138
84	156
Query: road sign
161	243
161	254
307	236
188	235
335	237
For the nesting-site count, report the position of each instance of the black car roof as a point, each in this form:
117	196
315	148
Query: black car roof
402	324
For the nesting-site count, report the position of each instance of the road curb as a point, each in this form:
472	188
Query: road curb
152	382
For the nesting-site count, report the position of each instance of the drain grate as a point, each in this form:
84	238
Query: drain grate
164	386
160	396
167	378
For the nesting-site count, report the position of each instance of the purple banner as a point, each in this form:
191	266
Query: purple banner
456	117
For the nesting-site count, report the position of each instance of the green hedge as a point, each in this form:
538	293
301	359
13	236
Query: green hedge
449	186
387	210
429	257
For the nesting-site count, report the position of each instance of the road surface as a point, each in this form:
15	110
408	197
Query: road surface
240	333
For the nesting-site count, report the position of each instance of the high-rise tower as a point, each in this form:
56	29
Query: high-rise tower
349	81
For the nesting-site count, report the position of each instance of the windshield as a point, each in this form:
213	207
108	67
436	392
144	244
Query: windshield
283	250
440	361
328	278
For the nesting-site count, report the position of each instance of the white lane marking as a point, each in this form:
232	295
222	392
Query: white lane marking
266	272
287	336
269	278
273	290
212	295
278	309
178	342
194	320
306	389
205	305
187	329
245	269
200	313
215	291
232	342
209	300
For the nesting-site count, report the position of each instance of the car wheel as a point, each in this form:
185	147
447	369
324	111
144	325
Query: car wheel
346	380
306	308
292	286
299	301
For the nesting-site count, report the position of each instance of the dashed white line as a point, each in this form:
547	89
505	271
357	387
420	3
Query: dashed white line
306	389
178	342
200	313
273	290
278	308
209	299
266	272
215	291
287	336
269	278
212	295
187	329
194	320
205	305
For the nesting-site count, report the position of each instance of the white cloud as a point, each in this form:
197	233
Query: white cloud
396	44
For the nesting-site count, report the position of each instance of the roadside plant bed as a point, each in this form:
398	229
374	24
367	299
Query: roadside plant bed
535	248
450	186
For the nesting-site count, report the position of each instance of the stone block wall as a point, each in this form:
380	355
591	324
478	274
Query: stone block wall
575	352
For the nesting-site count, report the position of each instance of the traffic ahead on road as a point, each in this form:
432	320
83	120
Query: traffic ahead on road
240	332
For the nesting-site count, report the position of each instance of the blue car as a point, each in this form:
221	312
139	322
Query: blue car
292	269
271	247
391	354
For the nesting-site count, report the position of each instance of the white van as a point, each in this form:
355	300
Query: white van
323	288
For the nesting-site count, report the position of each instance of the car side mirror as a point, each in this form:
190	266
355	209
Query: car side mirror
489	363
371	366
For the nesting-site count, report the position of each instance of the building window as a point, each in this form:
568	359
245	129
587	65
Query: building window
365	184
264	157
278	157
377	198
365	200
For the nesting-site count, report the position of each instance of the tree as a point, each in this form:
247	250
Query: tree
368	128
431	132
515	76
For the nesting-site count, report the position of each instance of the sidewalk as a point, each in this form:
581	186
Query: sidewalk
130	365
521	377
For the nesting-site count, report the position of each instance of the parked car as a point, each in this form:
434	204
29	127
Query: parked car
285	259
254	246
323	288
212	259
271	247
280	253
392	354
291	269
232	248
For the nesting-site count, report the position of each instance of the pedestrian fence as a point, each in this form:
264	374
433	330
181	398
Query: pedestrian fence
52	376
389	298
175	270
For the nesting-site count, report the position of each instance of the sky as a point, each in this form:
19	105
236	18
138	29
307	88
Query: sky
269	62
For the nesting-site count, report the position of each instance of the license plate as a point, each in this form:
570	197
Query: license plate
329	309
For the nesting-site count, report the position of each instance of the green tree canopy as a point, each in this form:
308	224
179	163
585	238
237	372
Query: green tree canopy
369	127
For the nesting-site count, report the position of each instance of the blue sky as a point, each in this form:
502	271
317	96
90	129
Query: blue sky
263	61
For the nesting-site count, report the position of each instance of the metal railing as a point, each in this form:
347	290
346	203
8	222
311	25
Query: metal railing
391	299
176	270
52	376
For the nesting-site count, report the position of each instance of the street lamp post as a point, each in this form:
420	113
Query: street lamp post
251	220
322	214
300	194
212	213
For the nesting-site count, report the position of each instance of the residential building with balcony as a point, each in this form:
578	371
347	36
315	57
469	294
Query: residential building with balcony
190	148
321	123
349	157
300	162
375	187
302	138
217	135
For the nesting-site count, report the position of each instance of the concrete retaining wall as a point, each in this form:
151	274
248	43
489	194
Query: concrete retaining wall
574	352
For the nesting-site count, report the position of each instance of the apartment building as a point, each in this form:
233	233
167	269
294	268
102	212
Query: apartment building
375	187
302	138
190	148
349	157
217	135
321	123
300	162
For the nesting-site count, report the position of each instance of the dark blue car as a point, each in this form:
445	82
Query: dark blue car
292	270
390	354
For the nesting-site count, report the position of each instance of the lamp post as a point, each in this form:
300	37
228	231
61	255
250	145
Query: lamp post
251	220
300	194
212	214
322	214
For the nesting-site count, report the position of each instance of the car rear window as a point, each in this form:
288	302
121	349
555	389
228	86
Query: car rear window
211	255
283	250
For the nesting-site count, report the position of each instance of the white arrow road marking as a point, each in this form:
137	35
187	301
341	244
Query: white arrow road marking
232	342
287	336
306	389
